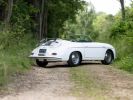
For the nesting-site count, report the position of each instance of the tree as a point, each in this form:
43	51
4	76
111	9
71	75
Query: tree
82	28
43	17
102	25
122	9
59	11
8	12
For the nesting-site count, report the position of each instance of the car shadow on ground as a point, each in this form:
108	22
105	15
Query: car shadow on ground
65	65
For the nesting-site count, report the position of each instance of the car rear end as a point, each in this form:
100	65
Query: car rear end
49	51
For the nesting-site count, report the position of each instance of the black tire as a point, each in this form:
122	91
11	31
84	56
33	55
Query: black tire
41	63
74	59
108	58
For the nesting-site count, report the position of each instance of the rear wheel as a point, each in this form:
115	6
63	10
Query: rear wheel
74	59
108	58
41	63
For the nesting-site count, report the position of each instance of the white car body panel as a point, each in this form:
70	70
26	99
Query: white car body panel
63	49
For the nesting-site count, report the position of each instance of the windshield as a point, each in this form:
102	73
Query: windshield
51	43
80	38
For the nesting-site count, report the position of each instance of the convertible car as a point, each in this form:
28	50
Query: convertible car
72	52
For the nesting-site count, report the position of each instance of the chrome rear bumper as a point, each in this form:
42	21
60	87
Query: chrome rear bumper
50	59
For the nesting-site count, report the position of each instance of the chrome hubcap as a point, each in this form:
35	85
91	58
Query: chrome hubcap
75	58
108	57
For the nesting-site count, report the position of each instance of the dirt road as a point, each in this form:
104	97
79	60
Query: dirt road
118	83
54	83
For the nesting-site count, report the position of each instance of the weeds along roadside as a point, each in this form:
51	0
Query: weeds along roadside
14	57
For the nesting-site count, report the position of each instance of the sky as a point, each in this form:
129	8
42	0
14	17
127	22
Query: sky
108	6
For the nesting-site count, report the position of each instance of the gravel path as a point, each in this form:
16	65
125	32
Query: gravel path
119	83
53	83
50	83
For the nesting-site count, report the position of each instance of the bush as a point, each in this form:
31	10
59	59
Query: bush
14	57
126	63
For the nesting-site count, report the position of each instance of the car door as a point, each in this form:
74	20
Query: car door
94	51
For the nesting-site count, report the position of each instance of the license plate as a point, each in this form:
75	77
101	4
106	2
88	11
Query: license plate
42	51
41	54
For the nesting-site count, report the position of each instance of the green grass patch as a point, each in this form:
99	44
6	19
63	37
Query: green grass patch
125	63
87	85
14	59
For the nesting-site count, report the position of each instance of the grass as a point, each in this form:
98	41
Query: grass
125	63
87	85
14	59
124	55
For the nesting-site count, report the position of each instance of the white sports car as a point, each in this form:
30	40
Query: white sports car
72	52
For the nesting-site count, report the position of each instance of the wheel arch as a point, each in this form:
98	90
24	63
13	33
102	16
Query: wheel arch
78	52
111	52
70	61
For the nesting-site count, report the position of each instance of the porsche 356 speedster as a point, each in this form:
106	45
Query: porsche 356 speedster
72	52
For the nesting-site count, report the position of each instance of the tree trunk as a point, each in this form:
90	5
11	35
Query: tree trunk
9	12
122	9
37	19
41	20
45	19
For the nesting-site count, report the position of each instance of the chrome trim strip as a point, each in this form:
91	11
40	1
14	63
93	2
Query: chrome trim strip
89	47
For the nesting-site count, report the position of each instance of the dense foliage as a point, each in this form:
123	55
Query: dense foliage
59	12
82	27
119	32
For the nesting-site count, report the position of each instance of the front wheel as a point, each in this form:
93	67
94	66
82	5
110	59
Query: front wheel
108	58
41	63
74	59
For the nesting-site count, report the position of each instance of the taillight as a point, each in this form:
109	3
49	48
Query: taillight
54	53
